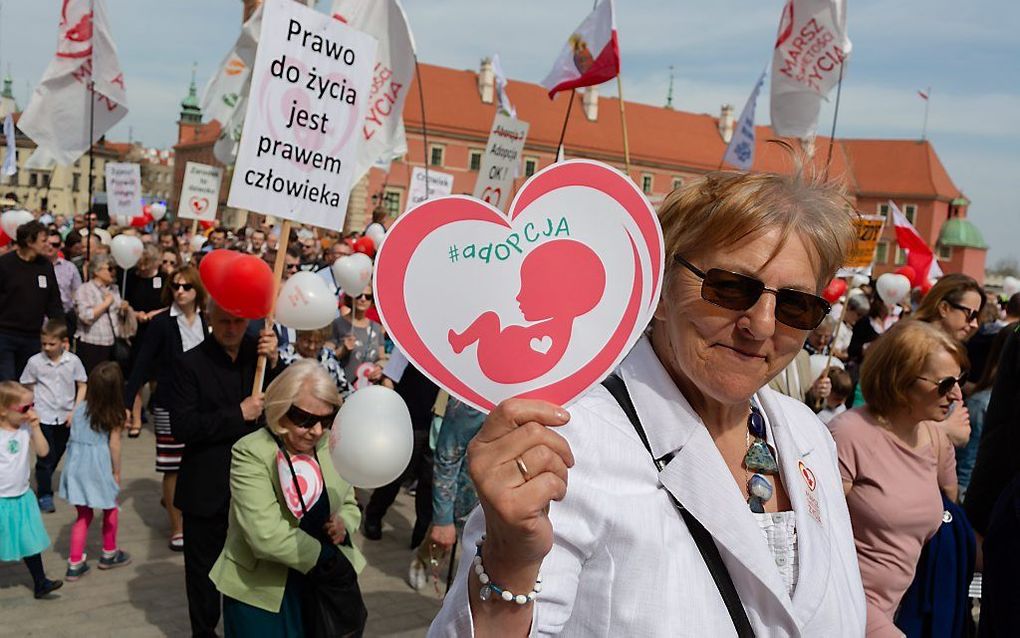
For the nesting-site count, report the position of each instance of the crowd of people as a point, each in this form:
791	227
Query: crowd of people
768	521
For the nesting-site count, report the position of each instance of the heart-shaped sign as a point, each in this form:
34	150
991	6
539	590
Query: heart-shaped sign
198	204
893	288
308	476
548	298
492	195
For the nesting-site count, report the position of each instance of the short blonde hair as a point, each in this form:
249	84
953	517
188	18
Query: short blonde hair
10	393
895	360
723	208
301	376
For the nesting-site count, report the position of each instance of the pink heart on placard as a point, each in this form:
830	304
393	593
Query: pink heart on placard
492	195
569	279
199	204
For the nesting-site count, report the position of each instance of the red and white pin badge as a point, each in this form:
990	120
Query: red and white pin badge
809	476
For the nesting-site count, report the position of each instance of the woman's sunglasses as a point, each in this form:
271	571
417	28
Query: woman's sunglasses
366	296
946	385
970	313
734	291
23	409
180	286
307	420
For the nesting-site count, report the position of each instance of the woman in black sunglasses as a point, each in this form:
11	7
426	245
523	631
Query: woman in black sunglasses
684	464
359	340
954	304
894	459
285	549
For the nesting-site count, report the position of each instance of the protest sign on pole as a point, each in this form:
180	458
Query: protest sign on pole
501	158
200	193
305	110
123	189
862	255
439	185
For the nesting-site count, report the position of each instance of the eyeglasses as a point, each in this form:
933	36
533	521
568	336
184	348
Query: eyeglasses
946	385
307	420
367	296
169	262
734	291
293	266
181	286
23	409
971	314
55	244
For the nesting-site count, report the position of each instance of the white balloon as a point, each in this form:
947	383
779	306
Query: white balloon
856	281
893	288
121	220
1010	286
818	362
371	439
104	236
306	302
157	210
353	273
197	242
126	250
10	221
376	233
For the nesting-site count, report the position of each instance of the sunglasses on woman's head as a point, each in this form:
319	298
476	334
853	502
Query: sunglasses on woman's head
946	385
23	409
970	313
307	420
734	291
182	286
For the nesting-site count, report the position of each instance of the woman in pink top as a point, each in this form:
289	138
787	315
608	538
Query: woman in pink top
894	459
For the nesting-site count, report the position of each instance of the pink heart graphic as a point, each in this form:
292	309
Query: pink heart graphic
199	204
645	257
492	195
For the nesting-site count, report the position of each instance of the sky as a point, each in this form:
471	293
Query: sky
967	52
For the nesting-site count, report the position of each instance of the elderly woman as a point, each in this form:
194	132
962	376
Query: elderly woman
699	502
894	459
280	543
311	344
102	315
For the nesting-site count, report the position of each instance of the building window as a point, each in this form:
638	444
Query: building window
436	155
881	252
677	182
901	256
530	166
474	160
391	201
945	252
910	210
646	184
33	179
46	180
75	181
883	209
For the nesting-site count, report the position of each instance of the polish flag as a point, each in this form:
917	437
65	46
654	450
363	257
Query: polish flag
919	255
591	55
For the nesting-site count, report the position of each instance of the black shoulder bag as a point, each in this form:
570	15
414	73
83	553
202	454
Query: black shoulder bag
702	538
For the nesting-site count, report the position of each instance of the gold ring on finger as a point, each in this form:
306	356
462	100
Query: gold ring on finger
523	468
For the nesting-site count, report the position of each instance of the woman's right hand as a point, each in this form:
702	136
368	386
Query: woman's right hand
957	426
518	531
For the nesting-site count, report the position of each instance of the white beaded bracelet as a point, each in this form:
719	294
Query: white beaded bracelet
489	588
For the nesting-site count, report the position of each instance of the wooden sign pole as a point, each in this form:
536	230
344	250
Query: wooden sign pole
281	256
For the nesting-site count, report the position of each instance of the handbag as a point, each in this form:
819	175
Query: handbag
702	537
121	352
331	604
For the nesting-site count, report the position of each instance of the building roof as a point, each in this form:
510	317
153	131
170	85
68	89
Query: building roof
899	167
203	135
960	231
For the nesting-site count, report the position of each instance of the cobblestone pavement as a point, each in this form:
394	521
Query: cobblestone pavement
146	598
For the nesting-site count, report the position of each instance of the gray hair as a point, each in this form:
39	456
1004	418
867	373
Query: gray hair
859	303
99	261
151	254
301	376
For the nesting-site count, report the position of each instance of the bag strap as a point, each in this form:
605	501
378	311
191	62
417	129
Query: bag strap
702	537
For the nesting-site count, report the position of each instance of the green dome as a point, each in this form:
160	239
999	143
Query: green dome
961	232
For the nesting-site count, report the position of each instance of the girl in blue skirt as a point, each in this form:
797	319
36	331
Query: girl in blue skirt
22	535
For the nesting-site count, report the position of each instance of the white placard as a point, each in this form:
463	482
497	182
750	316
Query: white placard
439	185
200	192
309	89
123	189
500	161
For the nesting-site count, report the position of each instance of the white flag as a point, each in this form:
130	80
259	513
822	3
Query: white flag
225	90
11	157
740	151
57	117
383	136
501	82
811	48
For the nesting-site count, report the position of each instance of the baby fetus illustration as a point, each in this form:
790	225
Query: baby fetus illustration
561	280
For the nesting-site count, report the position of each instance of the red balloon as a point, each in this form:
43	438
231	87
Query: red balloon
206	225
143	220
365	245
909	273
241	284
4	239
834	290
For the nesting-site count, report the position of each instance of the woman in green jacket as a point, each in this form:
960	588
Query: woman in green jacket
278	540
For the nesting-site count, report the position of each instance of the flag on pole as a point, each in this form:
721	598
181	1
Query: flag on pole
83	74
501	82
591	55
383	136
920	256
811	47
740	151
924	95
226	89
11	156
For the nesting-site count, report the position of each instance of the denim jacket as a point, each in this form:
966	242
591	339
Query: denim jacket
453	493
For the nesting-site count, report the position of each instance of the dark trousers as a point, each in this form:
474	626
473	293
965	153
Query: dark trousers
1000	589
56	436
204	537
92	355
15	351
420	467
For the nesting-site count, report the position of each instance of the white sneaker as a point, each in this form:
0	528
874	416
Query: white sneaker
417	574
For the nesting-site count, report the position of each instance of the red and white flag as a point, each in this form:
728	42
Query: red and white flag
811	48
591	55
920	256
57	116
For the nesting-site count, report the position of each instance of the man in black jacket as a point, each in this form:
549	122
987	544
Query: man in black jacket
212	406
28	294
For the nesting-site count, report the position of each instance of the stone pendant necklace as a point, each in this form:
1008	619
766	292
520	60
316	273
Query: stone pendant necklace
760	460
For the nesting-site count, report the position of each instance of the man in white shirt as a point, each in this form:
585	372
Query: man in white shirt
857	307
